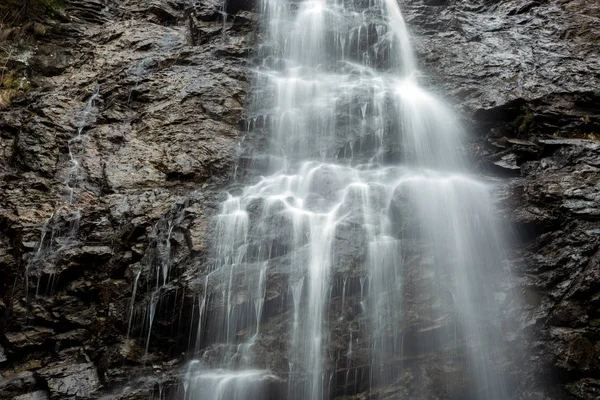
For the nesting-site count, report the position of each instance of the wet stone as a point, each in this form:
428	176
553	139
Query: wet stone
75	380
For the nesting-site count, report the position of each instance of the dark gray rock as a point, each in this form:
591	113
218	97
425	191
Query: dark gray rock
71	381
38	395
163	124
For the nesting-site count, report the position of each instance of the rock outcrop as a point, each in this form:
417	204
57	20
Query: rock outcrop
116	158
133	106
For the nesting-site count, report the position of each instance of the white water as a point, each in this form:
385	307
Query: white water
338	92
204	384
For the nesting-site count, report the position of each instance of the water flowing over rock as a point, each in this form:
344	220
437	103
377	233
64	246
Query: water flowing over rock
269	200
430	259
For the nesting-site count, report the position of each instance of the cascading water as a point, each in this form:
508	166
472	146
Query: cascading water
365	195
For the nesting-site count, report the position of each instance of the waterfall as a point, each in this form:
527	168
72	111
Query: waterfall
365	248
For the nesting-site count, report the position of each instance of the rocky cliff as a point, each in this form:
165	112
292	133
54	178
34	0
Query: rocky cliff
134	106
525	75
121	149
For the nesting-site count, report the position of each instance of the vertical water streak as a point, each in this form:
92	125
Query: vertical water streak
132	305
71	180
59	231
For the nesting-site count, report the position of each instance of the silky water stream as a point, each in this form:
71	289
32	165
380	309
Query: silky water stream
366	231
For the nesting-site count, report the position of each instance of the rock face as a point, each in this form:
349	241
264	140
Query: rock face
120	153
134	105
525	76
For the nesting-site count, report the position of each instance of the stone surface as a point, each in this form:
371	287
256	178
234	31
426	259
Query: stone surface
157	114
39	395
71	380
524	75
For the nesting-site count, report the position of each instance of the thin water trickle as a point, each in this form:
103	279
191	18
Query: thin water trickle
367	184
59	231
76	147
132	305
153	291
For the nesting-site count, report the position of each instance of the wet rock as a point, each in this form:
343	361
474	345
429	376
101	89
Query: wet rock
51	60
73	337
38	395
12	385
586	389
32	337
198	235
71	381
489	54
163	124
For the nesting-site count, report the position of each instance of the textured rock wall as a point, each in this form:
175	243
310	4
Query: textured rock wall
525	76
171	80
157	146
